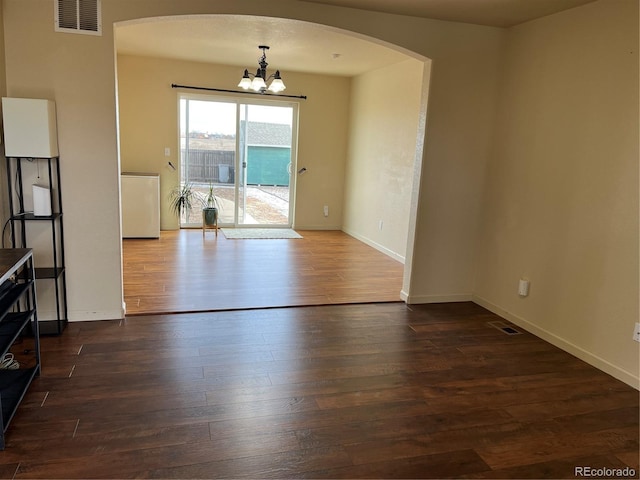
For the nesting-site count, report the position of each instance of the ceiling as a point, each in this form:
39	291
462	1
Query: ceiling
234	39
493	13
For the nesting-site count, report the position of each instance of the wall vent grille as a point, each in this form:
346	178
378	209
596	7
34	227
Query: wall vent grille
78	16
505	328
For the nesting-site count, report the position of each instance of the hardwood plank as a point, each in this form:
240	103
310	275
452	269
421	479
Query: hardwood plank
553	468
441	465
315	387
8	470
373	432
630	458
79	448
291	464
126	464
544	447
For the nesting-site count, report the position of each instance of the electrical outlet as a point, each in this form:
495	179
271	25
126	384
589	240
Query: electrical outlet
636	332
167	152
326	210
380	223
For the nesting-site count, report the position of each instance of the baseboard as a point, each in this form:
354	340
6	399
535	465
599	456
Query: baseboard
418	299
576	351
316	227
87	316
377	246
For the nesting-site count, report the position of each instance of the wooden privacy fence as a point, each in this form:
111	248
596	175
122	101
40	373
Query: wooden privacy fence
204	166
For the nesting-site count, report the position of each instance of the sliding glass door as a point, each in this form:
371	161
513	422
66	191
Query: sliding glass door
246	151
208	155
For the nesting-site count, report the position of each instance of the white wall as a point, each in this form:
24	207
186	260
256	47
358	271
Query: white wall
77	71
383	128
561	202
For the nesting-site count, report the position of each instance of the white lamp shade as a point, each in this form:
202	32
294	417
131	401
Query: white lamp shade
258	84
245	83
277	85
30	128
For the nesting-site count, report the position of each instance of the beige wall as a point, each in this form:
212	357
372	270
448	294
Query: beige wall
4	210
561	202
148	117
322	135
3	73
461	110
77	71
384	114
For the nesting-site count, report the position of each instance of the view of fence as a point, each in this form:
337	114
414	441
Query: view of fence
265	166
205	166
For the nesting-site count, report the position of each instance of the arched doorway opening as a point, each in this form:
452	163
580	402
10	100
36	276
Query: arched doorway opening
361	135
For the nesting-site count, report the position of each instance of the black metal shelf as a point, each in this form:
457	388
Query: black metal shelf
55	270
13	386
49	272
10	329
11	296
31	217
18	317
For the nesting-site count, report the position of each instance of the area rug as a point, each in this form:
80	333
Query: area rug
259	233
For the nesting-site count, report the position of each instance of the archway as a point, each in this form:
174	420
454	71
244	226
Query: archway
353	147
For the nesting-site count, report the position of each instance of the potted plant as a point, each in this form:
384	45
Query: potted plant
181	200
210	208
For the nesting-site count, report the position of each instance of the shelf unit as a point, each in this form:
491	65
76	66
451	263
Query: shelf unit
55	271
18	320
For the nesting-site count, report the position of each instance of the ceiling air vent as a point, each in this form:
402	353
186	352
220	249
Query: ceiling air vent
78	16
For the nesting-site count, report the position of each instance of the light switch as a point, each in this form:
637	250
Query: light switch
523	287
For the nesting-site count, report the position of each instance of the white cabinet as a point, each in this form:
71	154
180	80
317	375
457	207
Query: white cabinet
140	193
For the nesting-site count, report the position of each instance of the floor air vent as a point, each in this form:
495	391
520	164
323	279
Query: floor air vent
504	327
78	16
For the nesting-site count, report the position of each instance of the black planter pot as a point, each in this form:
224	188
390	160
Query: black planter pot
210	216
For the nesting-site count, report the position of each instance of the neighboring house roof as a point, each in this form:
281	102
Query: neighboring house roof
268	134
260	133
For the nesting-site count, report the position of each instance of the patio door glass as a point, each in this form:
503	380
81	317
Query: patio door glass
246	151
208	155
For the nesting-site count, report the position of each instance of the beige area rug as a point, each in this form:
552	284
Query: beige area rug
259	233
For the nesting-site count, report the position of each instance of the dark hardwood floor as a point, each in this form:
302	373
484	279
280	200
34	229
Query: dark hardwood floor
342	391
186	272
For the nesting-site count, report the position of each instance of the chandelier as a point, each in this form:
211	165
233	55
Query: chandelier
258	82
